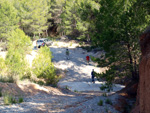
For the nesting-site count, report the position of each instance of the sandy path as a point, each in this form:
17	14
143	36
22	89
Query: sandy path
78	78
78	72
77	68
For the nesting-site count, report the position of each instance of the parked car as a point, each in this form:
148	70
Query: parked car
42	42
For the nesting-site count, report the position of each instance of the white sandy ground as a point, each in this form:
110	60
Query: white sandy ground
88	86
78	72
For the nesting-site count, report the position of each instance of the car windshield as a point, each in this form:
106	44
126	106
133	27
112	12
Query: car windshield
39	40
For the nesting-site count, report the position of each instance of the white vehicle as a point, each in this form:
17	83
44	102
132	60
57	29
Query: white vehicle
42	42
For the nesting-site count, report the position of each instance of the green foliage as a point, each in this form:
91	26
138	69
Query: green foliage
20	100
77	18
33	15
113	25
2	66
107	86
76	91
66	87
43	67
8	18
40	82
103	87
108	101
88	48
104	94
117	31
100	103
86	13
8	99
7	78
0	92
18	46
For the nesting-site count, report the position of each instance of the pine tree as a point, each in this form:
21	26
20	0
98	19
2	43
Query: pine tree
18	46
117	33
8	18
55	9
33	15
87	17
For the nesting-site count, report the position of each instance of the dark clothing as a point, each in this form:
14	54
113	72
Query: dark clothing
67	52
92	73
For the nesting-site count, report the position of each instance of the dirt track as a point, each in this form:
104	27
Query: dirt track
53	100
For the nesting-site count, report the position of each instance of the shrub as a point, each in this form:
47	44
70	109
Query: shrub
66	87
103	87
107	86
20	100
43	67
7	78
0	92
8	99
104	94
18	46
100	103
108	101
76	91
2	66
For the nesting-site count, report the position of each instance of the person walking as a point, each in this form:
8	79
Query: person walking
93	75
67	54
87	59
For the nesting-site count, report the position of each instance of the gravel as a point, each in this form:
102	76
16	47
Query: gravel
67	102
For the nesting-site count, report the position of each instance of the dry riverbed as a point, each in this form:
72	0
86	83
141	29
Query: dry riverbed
46	99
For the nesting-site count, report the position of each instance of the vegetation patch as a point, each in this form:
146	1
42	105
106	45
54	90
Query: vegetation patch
100	103
1	92
108	101
20	100
104	94
18	46
43	67
8	99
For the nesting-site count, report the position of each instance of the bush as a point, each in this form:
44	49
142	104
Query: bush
0	92
43	67
3	46
104	94
103	87
2	66
3	72
18	46
8	99
100	103
7	78
108	101
20	100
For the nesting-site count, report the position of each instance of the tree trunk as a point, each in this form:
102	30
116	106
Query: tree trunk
88	37
46	33
131	61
